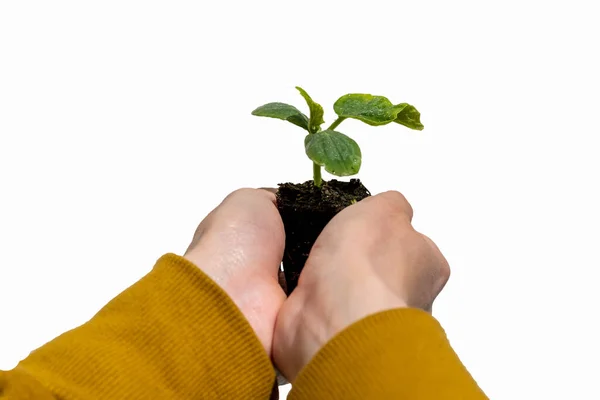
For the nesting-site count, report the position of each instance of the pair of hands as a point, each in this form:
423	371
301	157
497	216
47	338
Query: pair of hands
367	259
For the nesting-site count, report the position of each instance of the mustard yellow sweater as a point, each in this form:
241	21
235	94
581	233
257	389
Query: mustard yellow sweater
176	335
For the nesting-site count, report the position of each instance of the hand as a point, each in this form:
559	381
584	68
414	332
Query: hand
367	259
240	246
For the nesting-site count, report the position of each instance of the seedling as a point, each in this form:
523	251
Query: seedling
306	208
337	153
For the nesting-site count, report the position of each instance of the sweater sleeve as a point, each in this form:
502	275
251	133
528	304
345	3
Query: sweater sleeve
172	335
395	354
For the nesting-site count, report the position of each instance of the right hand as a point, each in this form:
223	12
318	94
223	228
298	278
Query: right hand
368	259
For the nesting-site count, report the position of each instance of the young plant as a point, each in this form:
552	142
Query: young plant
329	148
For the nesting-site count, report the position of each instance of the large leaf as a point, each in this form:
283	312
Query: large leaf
283	111
410	117
316	111
372	110
339	154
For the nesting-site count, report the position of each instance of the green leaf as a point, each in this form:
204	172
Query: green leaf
283	111
339	154
409	117
372	110
316	112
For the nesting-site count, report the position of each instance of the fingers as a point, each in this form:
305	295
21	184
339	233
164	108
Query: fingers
392	200
245	194
396	202
252	193
271	191
245	207
249	198
268	189
443	273
391	203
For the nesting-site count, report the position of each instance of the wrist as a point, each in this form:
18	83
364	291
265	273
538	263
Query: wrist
310	320
247	284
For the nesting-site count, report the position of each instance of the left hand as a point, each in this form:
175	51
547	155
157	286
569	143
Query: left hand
240	246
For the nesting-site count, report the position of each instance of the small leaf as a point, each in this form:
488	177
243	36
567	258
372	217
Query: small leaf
339	154
316	112
372	110
283	111
410	117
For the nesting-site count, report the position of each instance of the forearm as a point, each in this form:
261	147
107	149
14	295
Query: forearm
173	334
400	354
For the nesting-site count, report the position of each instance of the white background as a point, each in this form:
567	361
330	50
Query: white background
122	123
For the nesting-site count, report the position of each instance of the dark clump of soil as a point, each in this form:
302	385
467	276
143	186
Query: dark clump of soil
305	210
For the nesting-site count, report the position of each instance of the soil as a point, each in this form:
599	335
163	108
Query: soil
305	210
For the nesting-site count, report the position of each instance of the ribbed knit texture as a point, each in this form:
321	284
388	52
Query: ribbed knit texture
176	335
395	354
173	335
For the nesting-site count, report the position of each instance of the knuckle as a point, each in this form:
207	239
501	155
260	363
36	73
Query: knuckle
397	202
252	193
442	266
241	192
242	195
445	272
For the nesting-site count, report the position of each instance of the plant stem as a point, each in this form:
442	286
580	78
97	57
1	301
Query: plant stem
317	180
336	123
